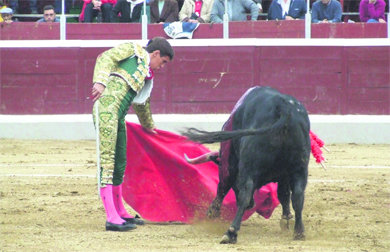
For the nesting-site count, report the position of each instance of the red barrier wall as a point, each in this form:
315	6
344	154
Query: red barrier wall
258	29
206	79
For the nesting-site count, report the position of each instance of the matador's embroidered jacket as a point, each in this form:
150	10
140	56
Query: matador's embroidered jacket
120	61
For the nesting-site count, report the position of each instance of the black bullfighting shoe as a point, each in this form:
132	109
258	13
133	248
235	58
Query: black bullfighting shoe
120	227
136	220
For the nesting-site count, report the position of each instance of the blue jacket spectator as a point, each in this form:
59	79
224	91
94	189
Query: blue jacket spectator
293	9
49	15
326	11
237	10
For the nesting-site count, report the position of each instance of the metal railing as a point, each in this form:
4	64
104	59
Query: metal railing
144	22
41	15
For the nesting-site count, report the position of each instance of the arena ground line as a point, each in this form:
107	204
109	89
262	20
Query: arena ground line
81	165
93	176
50	175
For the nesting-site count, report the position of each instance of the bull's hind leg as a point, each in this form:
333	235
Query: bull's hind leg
244	197
284	198
298	185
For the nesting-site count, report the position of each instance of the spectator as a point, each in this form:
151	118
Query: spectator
180	4
196	11
372	11
49	15
95	8
2	6
287	10
164	11
6	15
129	11
258	3
236	10
326	11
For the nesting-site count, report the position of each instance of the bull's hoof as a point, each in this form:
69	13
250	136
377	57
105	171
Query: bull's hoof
285	222
213	213
299	236
229	237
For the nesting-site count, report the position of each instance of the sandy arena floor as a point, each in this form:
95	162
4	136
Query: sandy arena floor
48	202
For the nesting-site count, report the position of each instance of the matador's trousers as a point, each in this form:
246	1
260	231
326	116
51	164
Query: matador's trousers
113	107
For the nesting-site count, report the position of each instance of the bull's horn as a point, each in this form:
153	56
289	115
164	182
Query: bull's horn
326	148
201	159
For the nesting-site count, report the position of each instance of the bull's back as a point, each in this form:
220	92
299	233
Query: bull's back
264	106
287	140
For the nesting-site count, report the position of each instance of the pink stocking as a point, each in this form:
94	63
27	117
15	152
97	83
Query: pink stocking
120	208
109	206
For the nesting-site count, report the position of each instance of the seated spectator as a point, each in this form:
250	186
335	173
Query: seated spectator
258	3
236	10
180	4
2	6
326	11
127	11
372	11
287	10
164	11
49	15
92	8
196	11
6	15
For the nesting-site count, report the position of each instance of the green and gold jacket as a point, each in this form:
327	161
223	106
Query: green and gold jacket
129	61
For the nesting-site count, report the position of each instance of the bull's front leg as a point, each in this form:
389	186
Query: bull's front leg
214	210
224	185
244	197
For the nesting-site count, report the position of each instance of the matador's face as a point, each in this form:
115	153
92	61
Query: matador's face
156	61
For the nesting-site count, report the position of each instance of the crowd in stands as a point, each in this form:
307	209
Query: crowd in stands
195	11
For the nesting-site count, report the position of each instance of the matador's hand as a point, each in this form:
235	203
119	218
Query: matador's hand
151	131
97	91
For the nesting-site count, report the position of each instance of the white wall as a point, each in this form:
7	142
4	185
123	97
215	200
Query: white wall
360	129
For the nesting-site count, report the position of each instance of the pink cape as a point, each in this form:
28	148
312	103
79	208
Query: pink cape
161	186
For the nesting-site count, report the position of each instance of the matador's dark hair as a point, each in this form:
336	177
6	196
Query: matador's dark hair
161	44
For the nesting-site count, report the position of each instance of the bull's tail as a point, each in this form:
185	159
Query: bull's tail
219	136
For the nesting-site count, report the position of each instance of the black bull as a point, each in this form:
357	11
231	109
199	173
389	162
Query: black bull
269	143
